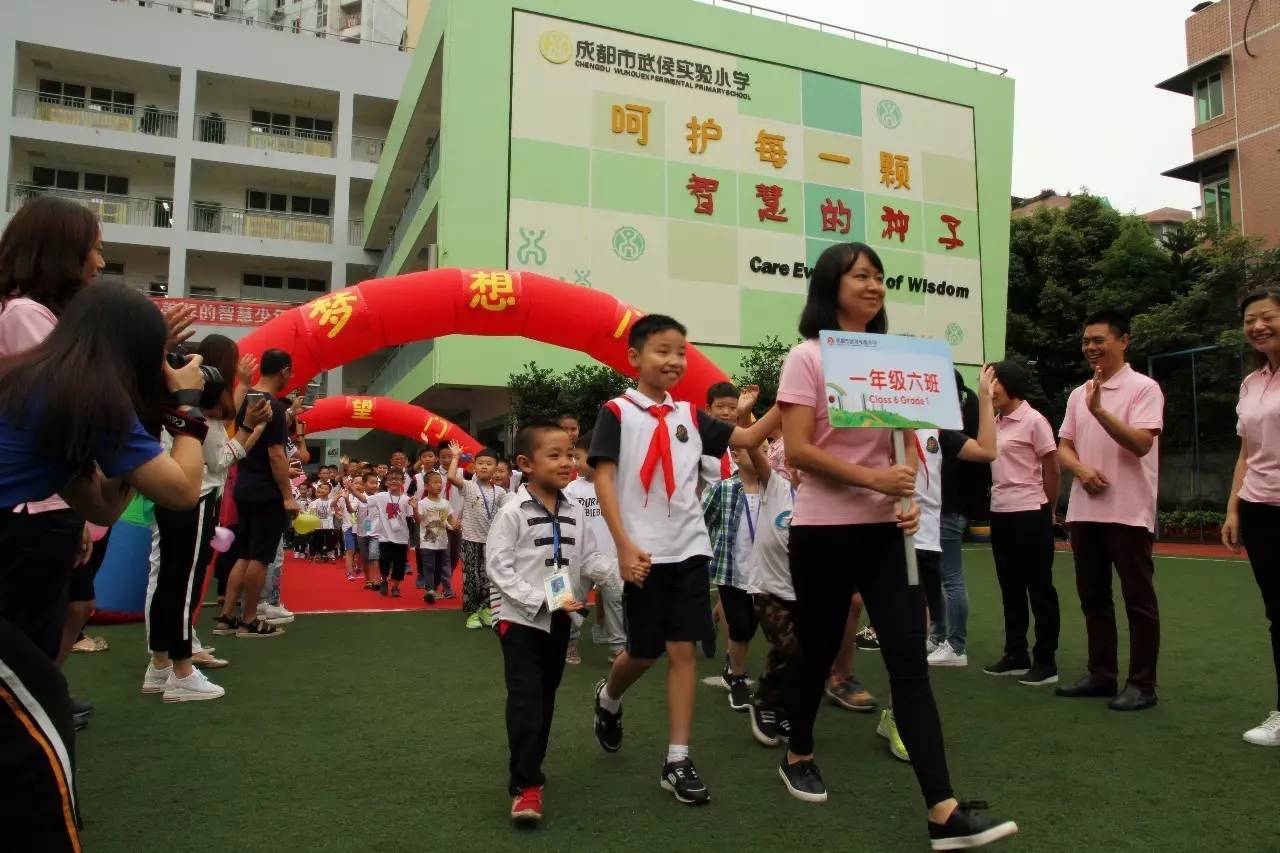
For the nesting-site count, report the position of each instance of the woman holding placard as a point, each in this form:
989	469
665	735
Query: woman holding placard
850	503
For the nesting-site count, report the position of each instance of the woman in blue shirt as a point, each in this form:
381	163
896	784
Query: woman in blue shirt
80	415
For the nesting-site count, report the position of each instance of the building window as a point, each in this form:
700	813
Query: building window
263	200
112	184
322	16
265	121
111	100
63	179
202	292
311	206
67	94
1208	98
1216	194
313	128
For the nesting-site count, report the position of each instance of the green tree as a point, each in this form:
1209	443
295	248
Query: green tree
540	394
762	366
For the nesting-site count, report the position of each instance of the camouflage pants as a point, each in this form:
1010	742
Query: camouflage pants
778	624
475	580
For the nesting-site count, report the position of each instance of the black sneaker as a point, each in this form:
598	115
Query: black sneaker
803	780
681	779
764	725
1040	675
867	640
739	691
608	726
429	597
80	713
966	828
784	729
1008	665
384	589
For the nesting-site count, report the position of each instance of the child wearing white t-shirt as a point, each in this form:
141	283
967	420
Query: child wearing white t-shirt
390	511
610	628
323	540
481	500
435	520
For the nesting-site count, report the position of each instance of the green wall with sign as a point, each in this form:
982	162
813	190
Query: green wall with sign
550	156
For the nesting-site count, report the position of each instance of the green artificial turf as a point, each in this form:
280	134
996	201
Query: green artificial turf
385	733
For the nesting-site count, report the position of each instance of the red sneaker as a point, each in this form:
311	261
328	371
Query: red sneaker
528	804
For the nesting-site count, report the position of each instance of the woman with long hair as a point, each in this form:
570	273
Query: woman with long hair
1253	511
182	543
847	533
80	416
50	251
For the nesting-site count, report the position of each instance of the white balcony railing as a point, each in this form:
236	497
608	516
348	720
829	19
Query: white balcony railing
84	112
110	209
355	232
262	224
421	183
215	129
367	149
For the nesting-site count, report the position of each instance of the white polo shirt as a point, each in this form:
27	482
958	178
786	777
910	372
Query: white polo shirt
671	530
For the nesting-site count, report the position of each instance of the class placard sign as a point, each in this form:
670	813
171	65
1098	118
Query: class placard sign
889	382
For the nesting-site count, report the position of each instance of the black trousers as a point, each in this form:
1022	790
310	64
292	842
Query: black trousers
739	613
874	563
186	539
930	565
1096	546
37	553
1260	532
1022	544
533	662
394	559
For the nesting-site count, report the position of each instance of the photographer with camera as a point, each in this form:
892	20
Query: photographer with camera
184	544
80	416
264	500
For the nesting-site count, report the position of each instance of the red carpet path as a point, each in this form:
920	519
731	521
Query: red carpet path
308	587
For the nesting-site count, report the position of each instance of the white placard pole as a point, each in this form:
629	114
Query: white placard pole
908	541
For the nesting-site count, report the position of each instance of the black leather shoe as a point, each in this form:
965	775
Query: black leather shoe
1133	699
1088	687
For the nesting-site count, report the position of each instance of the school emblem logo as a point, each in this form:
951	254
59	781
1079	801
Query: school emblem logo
682	434
783	521
556	47
931	445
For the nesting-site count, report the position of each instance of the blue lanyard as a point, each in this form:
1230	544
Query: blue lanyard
751	523
488	513
555	528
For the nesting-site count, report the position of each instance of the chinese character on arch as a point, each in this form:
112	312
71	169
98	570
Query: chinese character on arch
362	408
333	311
493	291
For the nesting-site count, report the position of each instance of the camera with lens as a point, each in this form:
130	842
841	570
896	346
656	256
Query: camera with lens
213	383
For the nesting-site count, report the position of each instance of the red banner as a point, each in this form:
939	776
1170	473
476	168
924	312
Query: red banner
213	312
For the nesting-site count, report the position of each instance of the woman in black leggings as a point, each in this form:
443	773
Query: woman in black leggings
848	505
1253	512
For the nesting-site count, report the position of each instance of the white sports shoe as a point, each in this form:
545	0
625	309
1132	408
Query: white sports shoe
944	655
1266	733
156	680
192	688
275	614
930	646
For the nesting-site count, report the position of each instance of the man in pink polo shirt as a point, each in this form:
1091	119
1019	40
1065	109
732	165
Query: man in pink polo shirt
1109	441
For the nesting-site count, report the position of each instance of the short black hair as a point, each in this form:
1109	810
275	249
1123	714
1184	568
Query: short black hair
1118	321
564	415
721	390
444	445
821	309
1267	291
529	436
1014	377
487	452
650	325
433	473
274	361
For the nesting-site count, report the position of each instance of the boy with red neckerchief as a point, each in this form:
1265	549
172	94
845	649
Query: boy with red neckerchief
646	450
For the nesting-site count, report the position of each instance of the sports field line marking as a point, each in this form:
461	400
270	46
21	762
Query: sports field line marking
1159	557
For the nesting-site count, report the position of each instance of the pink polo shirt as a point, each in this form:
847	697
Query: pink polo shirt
1130	498
24	323
820	501
1023	438
1259	426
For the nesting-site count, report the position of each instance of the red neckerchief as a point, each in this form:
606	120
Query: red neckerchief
659	450
724	466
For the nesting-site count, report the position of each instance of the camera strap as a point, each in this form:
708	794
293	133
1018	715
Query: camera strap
180	423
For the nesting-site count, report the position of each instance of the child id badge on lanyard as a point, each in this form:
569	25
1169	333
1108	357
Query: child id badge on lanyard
488	510
557	586
746	510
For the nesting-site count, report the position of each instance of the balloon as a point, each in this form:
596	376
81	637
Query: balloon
306	523
222	540
340	327
386	414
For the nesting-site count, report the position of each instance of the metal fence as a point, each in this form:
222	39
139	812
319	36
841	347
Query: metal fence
421	183
85	112
277	20
263	224
355	232
110	209
217	130
367	149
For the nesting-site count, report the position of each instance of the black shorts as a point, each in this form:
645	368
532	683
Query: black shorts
262	523
739	613
82	576
670	607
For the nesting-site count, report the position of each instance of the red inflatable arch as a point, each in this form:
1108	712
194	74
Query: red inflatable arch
388	415
343	326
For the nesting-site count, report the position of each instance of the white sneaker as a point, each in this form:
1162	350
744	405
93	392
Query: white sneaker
156	679
944	655
274	614
1266	733
930	646
192	688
